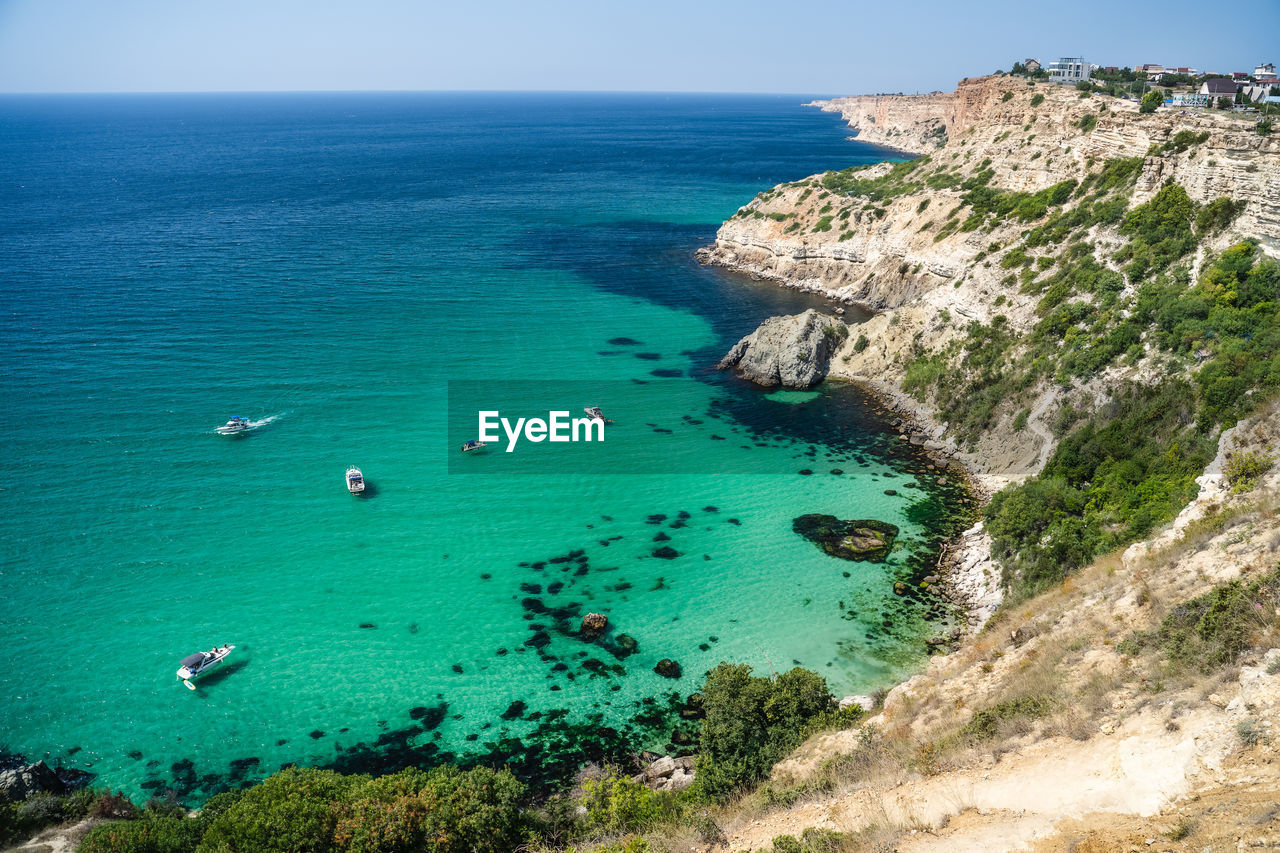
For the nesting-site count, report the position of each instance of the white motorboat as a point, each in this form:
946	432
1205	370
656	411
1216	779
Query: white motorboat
355	480
236	425
474	444
199	663
594	412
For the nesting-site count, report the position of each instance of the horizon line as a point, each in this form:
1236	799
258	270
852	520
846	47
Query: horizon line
40	93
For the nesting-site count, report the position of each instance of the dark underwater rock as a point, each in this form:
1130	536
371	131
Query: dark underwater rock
861	539
668	668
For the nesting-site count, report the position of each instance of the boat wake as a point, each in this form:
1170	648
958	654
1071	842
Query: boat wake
267	420
240	425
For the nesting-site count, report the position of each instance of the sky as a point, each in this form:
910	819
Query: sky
786	46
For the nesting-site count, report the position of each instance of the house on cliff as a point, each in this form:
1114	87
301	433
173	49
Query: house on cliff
1069	69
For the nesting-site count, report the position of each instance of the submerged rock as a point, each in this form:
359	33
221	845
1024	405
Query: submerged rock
593	625
668	668
793	351
862	539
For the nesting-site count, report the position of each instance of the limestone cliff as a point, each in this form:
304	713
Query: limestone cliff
906	241
790	351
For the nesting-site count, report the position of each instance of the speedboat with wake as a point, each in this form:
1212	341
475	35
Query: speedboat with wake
236	425
193	666
474	444
355	480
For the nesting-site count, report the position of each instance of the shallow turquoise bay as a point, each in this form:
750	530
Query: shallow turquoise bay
359	270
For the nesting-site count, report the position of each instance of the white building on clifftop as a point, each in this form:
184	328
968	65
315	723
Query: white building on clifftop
1069	69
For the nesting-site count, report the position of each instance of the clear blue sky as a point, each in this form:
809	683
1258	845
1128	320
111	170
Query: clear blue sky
795	46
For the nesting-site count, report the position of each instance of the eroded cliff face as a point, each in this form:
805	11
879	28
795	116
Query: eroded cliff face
907	246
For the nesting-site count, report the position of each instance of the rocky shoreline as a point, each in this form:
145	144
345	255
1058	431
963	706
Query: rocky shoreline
796	352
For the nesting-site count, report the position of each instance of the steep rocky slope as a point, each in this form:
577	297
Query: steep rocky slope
911	242
1054	730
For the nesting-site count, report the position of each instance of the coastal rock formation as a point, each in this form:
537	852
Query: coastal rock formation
867	539
909	245
667	773
790	351
18	783
864	703
593	625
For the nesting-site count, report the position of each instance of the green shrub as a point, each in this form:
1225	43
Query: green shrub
1007	96
293	810
986	723
1087	122
1250	732
861	343
1244	469
753	722
1160	231
812	840
1214	629
1217	215
884	188
1037	100
923	373
1150	101
158	834
615	804
445	810
1264	127
1179	142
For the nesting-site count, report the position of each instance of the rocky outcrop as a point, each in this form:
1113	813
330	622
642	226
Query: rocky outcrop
866	704
667	774
794	351
593	625
18	783
866	539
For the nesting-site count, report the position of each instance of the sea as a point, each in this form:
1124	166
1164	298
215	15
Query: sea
359	275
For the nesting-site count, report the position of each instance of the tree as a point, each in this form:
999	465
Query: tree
752	722
1018	68
1150	101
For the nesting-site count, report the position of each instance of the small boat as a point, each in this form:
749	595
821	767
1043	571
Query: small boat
474	444
201	662
594	411
355	480
233	426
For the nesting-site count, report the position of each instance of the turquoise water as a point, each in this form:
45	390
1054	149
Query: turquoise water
359	273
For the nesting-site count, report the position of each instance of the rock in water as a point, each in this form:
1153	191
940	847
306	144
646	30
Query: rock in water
862	539
21	782
668	668
593	625
793	351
